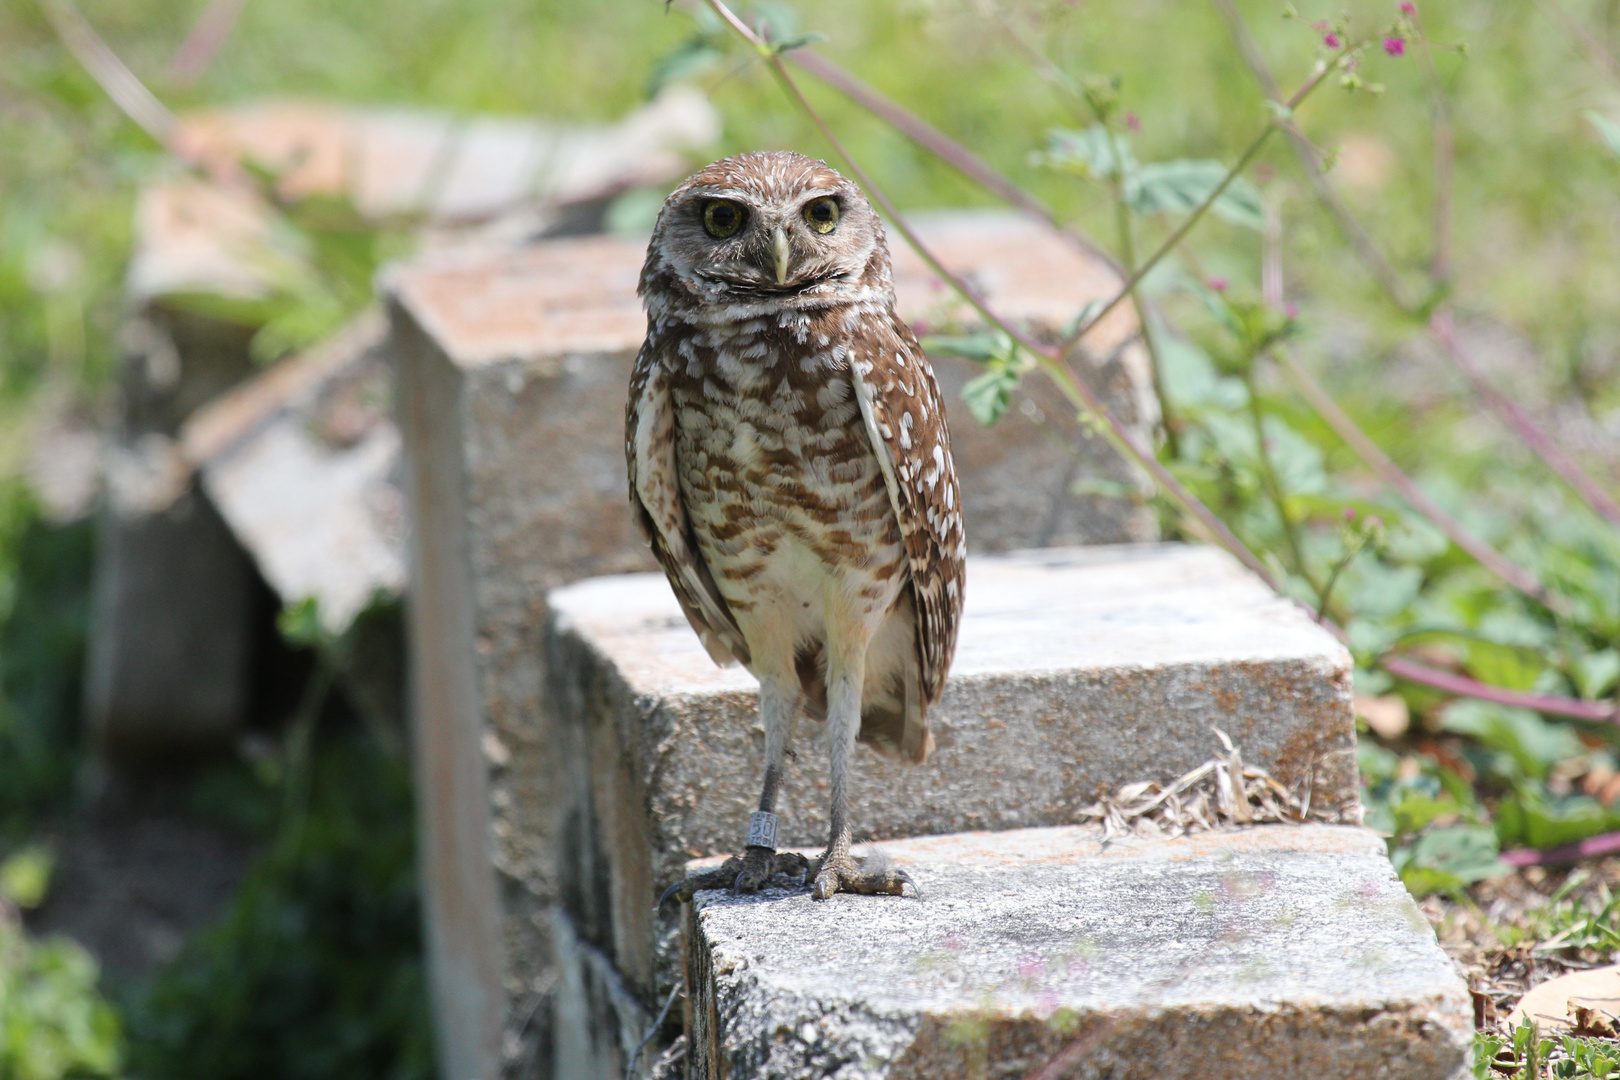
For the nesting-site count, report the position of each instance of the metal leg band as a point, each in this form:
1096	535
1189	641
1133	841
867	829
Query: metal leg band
762	829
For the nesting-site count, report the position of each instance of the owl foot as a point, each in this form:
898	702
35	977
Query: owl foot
871	876
744	873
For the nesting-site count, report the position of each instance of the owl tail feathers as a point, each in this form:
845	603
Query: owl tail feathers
896	724
894	715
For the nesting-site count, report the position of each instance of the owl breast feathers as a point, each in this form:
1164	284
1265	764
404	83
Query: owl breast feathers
788	452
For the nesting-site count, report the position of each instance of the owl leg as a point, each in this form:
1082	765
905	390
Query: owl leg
837	870
760	861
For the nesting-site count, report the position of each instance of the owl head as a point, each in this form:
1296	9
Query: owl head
766	230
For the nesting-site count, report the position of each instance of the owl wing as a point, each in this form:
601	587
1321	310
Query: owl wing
655	495
905	419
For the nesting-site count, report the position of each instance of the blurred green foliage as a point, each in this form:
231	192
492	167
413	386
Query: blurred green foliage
316	970
54	1023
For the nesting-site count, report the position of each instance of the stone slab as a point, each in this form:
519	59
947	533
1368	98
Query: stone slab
1272	951
512	364
303	464
1078	670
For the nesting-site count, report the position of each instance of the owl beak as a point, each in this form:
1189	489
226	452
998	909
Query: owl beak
779	245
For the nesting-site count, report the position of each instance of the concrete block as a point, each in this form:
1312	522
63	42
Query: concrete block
1276	950
302	463
1077	671
512	367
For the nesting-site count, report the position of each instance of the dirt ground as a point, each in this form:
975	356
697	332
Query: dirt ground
134	878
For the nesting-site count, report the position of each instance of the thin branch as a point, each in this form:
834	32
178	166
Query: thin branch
110	73
1361	242
1527	429
943	147
1392	474
1411	670
208	34
1591	848
1444	160
1594	49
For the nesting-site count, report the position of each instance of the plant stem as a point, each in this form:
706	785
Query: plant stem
1527	429
1127	251
943	147
1444	161
1591	848
110	73
1360	240
1273	487
1391	473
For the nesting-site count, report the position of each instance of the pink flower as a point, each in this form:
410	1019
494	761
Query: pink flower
1218	284
1408	8
1331	40
1394	46
1132	122
1349	513
1292	310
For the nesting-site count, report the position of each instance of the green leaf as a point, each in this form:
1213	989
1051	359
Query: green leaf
1511	666
989	394
1181	186
1597	673
1607	128
691	57
1468	853
984	346
25	875
1527	819
798	41
1526	744
300	623
1095	153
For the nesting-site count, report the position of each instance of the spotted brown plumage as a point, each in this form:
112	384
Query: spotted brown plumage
790	464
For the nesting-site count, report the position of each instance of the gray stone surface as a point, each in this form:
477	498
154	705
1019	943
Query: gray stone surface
1078	670
302	462
1273	951
512	367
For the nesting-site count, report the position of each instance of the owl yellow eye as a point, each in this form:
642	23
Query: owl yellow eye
721	218
822	214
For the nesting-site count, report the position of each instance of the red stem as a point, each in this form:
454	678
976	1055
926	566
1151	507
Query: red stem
940	145
1462	685
1590	848
1527	429
1373	455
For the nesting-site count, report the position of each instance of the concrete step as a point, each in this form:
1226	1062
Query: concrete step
1275	950
1078	671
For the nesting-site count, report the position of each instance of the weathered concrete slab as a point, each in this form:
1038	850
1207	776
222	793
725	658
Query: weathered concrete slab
449	167
1272	951
512	367
1078	670
302	463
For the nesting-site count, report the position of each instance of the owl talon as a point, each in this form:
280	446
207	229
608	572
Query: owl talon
868	877
745	873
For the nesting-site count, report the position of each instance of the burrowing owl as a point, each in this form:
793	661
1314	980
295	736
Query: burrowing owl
790	465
